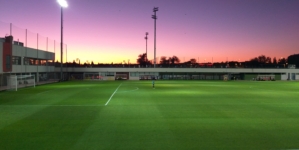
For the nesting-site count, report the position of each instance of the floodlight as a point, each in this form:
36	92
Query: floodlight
62	3
154	16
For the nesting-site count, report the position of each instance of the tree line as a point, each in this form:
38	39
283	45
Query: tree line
261	61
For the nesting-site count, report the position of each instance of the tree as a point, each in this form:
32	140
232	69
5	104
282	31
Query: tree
190	63
164	61
268	60
259	61
274	61
74	63
282	61
142	60
193	61
174	59
294	59
57	63
262	59
78	61
254	62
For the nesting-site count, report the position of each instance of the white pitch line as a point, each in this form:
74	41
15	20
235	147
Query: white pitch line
112	95
130	90
50	105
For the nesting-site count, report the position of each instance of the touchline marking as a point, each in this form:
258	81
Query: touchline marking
112	95
50	105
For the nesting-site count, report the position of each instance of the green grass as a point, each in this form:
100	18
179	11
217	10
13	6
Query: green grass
174	115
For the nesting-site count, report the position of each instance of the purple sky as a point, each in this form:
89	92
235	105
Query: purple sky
113	30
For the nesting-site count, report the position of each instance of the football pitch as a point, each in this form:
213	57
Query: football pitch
134	115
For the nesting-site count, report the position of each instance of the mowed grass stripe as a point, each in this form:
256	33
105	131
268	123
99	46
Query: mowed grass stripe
28	101
174	115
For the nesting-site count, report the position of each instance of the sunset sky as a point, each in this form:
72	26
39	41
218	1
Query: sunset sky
108	31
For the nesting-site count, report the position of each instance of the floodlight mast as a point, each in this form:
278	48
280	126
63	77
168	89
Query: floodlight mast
63	4
155	18
146	46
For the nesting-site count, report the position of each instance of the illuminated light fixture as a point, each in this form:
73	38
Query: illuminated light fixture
62	3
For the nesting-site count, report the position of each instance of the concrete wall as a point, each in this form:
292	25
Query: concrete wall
290	76
32	53
284	77
32	68
18	51
250	76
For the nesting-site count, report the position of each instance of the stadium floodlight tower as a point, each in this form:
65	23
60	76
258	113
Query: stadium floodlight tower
63	4
155	18
146	46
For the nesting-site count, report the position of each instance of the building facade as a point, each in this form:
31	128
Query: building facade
16	59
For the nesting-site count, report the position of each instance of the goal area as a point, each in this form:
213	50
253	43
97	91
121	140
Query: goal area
15	82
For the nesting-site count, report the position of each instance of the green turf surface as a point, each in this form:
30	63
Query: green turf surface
174	115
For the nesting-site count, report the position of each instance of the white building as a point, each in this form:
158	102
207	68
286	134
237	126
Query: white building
19	60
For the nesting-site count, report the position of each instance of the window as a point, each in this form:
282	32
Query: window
37	62
134	74
26	61
31	61
104	74
16	60
43	62
110	73
8	62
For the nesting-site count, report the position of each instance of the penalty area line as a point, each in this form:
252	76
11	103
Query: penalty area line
112	95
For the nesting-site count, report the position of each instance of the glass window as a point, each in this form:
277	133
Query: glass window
26	61
110	74
16	60
31	61
43	62
37	62
134	74
8	62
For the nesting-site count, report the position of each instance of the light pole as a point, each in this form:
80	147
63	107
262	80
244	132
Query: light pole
66	55
146	46
63	4
155	17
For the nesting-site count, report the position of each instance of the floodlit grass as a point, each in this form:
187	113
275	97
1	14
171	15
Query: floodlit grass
174	115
